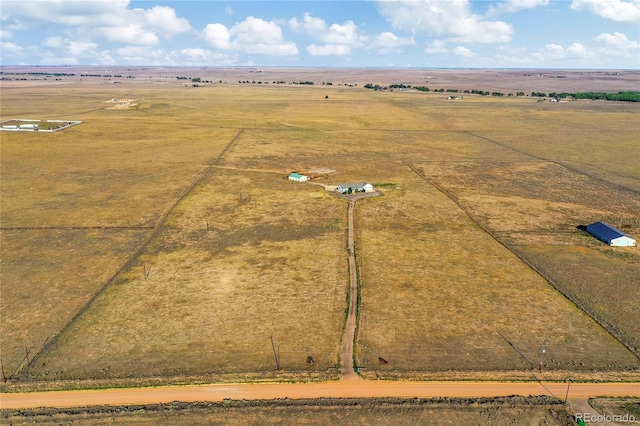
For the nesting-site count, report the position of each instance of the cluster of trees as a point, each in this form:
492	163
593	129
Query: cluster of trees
351	191
195	79
324	83
46	74
630	96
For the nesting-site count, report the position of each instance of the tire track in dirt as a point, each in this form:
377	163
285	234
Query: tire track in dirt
205	172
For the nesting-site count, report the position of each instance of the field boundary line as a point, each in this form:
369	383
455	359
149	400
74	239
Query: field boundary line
561	164
552	283
215	161
72	228
205	172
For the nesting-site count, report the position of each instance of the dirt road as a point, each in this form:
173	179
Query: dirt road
346	354
338	389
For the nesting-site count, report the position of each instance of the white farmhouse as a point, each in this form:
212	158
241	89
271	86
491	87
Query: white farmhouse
354	187
610	235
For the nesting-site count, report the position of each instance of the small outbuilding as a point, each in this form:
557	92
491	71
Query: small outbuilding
30	126
610	235
296	177
354	187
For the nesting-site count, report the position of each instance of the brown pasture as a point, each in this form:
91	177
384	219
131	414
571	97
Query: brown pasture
246	255
500	411
535	208
243	258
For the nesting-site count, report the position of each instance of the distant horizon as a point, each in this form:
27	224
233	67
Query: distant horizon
413	34
319	67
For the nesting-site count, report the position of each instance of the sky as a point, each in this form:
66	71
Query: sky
575	34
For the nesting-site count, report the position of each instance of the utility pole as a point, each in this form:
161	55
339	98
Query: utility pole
275	355
542	352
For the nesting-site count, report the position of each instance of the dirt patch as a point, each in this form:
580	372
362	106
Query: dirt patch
122	103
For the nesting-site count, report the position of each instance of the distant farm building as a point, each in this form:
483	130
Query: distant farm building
610	235
354	187
296	177
29	126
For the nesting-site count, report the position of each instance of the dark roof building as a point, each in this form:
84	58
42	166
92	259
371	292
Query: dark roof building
610	235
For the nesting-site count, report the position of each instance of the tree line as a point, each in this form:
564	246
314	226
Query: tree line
627	96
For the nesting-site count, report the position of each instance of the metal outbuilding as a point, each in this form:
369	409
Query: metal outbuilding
610	235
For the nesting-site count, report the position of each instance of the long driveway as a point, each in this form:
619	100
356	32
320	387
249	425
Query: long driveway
346	354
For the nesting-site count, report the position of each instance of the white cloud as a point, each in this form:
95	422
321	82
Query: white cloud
436	46
617	44
143	55
342	34
10	47
328	49
81	48
616	40
613	10
578	50
451	19
253	35
199	56
111	19
4	34
53	42
69	12
471	30
512	6
129	34
164	20
315	27
105	58
463	52
387	42
554	51
345	34
217	35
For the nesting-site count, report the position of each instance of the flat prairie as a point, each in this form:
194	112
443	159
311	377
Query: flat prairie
163	239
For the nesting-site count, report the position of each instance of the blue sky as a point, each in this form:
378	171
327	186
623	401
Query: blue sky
585	34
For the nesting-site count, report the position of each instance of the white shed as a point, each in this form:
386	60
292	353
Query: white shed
610	235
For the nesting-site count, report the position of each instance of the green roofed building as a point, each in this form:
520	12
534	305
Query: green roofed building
296	177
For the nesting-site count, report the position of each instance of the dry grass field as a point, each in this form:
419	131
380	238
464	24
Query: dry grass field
535	208
498	411
271	264
193	178
438	294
